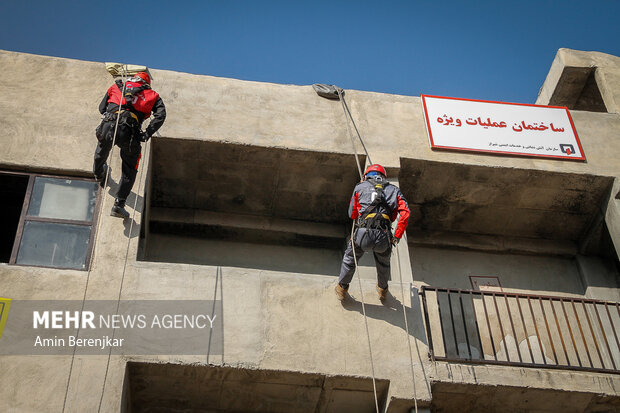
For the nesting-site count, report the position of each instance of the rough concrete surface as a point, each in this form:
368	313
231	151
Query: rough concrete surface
255	156
169	387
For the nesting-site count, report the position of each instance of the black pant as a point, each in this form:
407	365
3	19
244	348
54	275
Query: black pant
130	155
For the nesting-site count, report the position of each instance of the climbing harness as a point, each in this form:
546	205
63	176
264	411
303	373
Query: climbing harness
333	92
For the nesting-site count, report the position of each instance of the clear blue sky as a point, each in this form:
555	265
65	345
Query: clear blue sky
496	50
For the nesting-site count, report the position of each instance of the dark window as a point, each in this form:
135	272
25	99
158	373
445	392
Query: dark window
12	193
51	220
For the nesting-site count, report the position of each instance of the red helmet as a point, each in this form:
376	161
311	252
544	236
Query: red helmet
376	168
144	76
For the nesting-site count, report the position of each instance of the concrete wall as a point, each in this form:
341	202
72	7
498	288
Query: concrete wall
563	78
545	275
216	109
580	276
193	250
275	316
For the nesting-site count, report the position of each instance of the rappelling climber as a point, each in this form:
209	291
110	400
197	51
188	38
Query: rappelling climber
375	204
138	102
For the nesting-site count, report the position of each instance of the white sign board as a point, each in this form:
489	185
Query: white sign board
504	128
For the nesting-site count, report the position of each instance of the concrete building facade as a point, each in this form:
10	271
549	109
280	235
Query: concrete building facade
509	276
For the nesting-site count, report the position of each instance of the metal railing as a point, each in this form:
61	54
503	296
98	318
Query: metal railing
522	329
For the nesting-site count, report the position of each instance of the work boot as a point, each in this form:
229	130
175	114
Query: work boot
382	292
118	210
341	292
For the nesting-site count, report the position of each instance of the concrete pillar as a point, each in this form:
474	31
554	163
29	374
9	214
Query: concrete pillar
612	215
599	278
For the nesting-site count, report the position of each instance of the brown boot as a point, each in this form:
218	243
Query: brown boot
341	292
382	292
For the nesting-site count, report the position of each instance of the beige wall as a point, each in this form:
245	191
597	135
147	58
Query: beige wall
219	109
545	275
273	318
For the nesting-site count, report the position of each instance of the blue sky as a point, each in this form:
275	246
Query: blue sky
496	50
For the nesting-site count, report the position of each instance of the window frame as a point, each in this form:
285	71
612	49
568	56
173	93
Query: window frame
25	217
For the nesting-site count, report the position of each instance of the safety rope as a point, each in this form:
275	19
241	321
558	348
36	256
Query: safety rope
120	290
372	364
415	397
402	292
93	255
347	113
108	172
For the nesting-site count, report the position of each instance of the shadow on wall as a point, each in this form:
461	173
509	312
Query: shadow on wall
391	311
201	251
218	288
134	202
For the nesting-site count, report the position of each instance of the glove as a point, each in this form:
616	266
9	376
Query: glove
144	136
395	241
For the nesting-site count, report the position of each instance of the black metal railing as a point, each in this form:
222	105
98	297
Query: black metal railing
522	329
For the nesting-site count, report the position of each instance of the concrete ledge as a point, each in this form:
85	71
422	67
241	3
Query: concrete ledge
200	217
465	398
159	386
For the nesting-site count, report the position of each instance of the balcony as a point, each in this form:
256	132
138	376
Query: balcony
490	327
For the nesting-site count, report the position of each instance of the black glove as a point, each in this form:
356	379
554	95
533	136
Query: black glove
144	136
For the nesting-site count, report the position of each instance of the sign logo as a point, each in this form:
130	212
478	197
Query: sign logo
5	304
567	148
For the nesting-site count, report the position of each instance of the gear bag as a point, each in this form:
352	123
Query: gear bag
379	212
137	97
328	91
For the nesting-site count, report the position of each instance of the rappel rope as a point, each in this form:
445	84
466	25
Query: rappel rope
402	292
107	174
105	183
372	364
120	290
348	115
359	167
